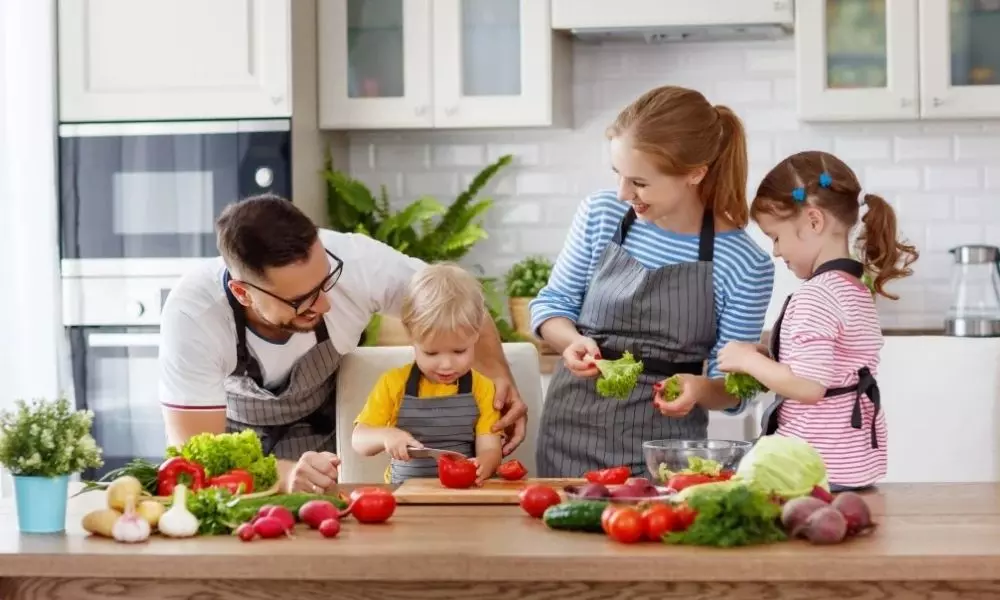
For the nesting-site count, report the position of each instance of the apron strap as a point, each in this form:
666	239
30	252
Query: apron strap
706	239
623	226
246	366
866	385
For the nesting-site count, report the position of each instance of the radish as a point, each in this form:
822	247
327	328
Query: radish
329	528
855	510
269	527
315	512
246	532
282	514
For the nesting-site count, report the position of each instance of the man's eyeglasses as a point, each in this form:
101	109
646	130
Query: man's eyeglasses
306	301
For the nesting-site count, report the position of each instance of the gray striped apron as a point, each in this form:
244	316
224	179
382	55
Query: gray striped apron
442	422
866	384
295	418
666	318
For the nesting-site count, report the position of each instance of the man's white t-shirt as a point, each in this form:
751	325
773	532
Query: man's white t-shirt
198	330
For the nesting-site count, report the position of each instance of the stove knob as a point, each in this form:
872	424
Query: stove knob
137	309
264	177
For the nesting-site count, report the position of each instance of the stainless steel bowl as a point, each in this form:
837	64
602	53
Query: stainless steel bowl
673	454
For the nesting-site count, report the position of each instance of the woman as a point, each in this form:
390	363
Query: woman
662	268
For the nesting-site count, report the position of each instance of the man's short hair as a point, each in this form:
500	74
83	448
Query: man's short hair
262	232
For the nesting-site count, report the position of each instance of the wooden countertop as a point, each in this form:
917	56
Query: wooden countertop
926	533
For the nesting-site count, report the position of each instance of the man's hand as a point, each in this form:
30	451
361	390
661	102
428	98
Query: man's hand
315	473
514	420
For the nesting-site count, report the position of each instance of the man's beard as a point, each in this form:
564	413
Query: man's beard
289	327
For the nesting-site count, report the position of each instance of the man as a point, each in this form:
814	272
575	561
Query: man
254	338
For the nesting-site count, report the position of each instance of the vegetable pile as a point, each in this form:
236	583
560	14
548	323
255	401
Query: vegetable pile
228	460
633	488
743	386
618	377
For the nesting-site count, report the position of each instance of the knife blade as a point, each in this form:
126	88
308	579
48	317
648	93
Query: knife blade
432	453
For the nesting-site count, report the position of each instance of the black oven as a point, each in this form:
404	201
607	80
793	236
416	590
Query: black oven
136	194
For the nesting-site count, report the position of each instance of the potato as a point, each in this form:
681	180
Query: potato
151	511
101	521
120	490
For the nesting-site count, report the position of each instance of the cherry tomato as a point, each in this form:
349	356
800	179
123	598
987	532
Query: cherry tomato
534	499
684	515
371	504
512	470
609	510
657	520
625	525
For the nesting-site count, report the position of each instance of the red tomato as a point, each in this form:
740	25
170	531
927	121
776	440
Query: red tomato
512	470
611	476
657	520
625	525
609	510
684	515
372	505
534	499
458	473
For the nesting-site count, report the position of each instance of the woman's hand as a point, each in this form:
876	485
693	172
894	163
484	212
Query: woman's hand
734	356
692	387
580	355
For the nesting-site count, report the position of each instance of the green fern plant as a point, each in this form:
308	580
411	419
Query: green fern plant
425	228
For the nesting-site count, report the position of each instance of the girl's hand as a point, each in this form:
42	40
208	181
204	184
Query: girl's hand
396	443
691	386
733	356
579	357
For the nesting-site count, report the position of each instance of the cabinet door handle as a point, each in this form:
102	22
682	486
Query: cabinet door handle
420	111
905	102
451	110
937	101
276	100
780	6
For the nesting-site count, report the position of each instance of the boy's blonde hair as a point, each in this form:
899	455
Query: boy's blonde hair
443	298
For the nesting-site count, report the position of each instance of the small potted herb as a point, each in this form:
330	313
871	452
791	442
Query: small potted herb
523	281
42	443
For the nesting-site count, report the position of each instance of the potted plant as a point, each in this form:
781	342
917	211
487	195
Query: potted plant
425	228
524	280
42	443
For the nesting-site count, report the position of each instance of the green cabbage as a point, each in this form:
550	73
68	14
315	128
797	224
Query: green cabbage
786	466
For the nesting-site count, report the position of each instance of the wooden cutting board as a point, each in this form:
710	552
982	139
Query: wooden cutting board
494	491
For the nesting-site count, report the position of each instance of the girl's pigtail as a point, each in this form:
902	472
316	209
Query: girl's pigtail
884	256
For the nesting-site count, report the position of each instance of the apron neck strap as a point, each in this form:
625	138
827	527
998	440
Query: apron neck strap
706	239
413	382
846	265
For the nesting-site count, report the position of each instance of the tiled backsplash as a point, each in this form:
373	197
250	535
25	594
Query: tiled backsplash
942	177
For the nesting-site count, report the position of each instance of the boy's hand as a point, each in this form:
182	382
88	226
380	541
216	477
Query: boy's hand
396	443
486	466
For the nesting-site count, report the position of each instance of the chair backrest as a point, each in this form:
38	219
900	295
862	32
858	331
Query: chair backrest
360	370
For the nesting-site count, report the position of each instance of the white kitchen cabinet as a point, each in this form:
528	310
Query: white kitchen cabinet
900	60
395	64
130	60
960	59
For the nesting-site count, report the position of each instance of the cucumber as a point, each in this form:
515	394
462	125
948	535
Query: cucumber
577	515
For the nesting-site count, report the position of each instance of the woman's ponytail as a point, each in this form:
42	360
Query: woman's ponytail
885	258
725	186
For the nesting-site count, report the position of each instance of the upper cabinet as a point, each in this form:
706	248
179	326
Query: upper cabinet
128	60
395	64
898	59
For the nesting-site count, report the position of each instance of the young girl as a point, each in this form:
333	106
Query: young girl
661	267
825	345
439	401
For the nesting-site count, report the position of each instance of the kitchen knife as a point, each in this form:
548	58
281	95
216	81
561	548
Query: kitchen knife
432	453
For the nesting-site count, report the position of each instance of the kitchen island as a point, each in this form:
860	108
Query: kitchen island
932	541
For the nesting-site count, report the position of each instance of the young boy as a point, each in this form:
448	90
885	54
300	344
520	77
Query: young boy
439	401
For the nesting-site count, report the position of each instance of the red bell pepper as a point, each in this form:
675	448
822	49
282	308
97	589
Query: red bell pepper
233	481
456	472
680	481
179	470
610	476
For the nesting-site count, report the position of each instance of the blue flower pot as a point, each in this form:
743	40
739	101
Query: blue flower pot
41	503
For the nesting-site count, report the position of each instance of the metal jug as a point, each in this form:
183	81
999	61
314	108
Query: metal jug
975	289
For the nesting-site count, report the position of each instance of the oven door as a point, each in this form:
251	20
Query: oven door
151	191
115	375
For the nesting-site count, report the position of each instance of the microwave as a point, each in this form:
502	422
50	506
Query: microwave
141	199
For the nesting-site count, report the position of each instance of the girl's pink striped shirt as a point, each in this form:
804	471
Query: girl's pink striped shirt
830	330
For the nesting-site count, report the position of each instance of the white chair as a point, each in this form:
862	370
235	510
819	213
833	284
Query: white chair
360	370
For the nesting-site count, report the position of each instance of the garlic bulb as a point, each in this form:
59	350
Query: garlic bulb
178	520
130	527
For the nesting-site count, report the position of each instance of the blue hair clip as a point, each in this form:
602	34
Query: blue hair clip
799	194
825	180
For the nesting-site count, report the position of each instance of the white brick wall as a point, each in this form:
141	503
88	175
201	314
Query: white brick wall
943	178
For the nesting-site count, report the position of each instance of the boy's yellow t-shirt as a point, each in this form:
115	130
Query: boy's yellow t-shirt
386	398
